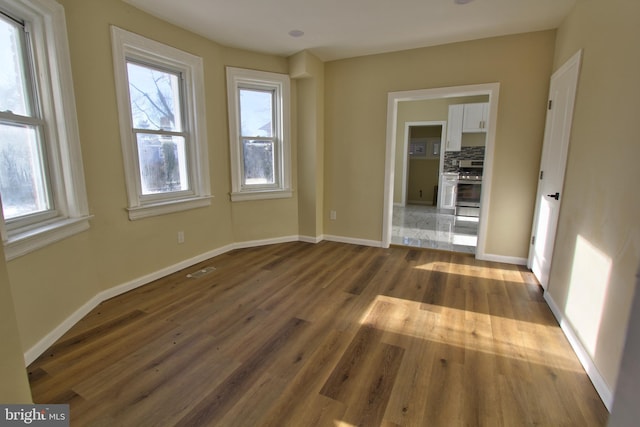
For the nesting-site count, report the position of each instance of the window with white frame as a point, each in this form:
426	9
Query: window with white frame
41	175
160	93
259	134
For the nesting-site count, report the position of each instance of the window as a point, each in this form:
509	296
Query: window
162	125
259	134
41	179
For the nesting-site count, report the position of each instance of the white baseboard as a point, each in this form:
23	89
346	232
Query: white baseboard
589	366
352	241
311	239
502	258
264	242
48	340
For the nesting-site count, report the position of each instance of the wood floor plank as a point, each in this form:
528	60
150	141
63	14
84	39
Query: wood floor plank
351	365
329	334
304	389
444	400
214	405
367	406
408	401
250	408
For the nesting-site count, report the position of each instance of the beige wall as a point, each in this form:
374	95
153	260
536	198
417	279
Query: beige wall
14	386
423	176
309	74
356	103
599	217
52	283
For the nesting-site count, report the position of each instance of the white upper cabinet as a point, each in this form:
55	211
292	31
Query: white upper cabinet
465	118
475	117
454	127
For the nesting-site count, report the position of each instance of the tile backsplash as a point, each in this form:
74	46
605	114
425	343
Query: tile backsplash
466	153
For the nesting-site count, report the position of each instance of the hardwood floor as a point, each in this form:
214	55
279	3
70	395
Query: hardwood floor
330	334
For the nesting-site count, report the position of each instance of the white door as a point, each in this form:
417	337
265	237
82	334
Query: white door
562	93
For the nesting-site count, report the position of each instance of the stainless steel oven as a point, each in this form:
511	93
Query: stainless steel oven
469	188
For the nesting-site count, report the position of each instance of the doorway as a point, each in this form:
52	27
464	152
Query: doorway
393	156
417	219
422	162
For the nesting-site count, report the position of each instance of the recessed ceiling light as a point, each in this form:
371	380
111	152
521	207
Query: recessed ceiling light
462	1
296	33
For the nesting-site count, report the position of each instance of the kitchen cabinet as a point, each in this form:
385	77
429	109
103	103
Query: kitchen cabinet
454	127
474	118
448	184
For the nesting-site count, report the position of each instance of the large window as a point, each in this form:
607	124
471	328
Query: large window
24	181
160	98
259	134
41	181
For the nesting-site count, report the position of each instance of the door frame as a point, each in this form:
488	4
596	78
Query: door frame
393	98
405	152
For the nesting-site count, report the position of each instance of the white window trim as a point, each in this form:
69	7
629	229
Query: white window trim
129	45
55	82
237	77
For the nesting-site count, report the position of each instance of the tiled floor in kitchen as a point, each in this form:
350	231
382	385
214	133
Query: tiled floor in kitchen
427	227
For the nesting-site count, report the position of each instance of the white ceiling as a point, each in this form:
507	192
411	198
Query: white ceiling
336	29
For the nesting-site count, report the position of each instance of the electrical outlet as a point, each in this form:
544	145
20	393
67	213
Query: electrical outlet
332	215
180	236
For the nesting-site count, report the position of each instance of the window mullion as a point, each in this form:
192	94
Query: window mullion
159	132
260	138
10	118
30	65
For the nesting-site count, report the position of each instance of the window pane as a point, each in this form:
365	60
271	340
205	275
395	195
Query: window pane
155	98
14	95
258	162
23	182
256	112
163	163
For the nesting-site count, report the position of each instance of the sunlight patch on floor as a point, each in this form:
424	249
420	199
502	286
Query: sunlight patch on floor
481	332
468	270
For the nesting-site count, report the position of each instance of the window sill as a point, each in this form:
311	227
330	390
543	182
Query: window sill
29	240
261	195
163	208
